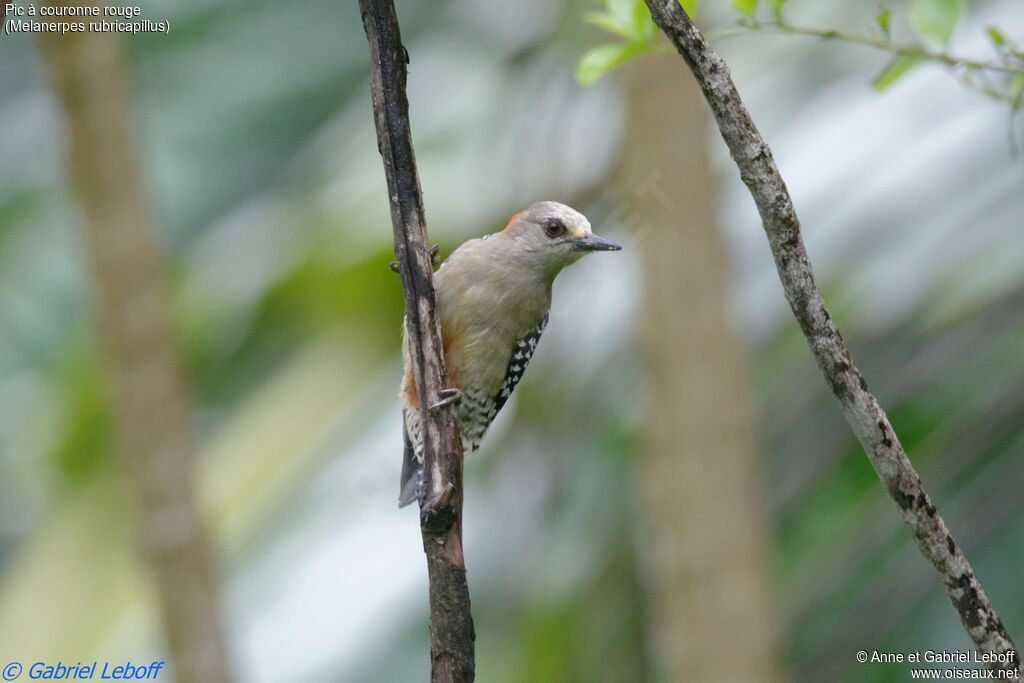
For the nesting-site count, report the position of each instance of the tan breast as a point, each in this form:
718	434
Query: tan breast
487	303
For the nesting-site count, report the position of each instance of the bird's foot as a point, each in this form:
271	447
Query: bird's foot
448	397
435	260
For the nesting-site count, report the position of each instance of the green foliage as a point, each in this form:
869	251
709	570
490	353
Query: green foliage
1017	90
629	19
897	68
776	6
884	19
598	61
933	20
936	19
996	36
747	7
690	7
84	442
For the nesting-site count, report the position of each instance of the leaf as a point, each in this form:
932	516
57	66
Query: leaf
1017	90
642	21
776	6
690	7
936	19
996	36
623	13
622	10
894	70
607	22
747	7
630	19
884	19
598	61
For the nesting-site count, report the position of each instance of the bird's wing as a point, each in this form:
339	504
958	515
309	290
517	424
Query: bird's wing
521	355
476	411
478	407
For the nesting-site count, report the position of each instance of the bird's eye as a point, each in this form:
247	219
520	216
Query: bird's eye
554	228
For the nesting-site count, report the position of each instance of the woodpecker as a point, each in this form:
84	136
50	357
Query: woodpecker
493	298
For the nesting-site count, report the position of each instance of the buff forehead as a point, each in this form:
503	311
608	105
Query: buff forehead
575	222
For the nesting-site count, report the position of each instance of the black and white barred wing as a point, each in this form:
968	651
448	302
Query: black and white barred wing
521	356
476	411
478	408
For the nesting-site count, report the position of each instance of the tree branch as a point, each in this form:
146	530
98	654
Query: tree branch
451	622
860	407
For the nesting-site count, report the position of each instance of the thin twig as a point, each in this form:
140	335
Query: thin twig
451	622
961	68
878	43
860	407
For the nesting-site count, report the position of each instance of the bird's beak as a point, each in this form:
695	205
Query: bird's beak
594	243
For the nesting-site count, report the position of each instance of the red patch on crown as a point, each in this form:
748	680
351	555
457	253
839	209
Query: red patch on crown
513	219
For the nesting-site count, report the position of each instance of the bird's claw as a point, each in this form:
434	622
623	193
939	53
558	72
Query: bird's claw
435	260
448	397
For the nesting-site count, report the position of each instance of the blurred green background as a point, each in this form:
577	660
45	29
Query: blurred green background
591	541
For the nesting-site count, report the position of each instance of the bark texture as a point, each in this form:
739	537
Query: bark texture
451	623
150	404
707	588
860	407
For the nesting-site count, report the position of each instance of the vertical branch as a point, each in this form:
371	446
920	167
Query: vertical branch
707	587
860	407
150	404
451	622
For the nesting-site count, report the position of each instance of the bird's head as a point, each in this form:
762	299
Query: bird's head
550	236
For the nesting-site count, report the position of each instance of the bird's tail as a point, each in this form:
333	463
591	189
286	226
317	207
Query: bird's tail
412	471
